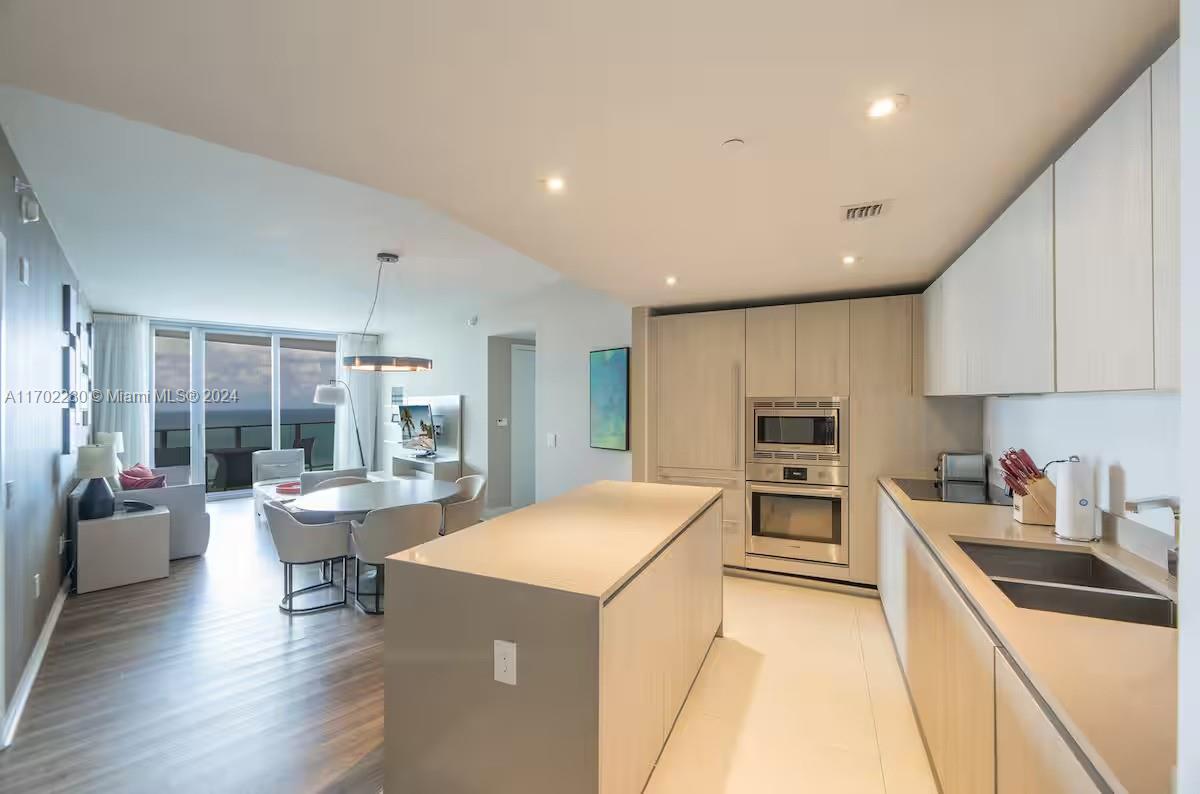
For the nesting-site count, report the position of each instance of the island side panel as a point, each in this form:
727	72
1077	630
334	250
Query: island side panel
655	634
448	725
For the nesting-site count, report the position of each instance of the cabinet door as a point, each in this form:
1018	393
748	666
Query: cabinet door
950	668
823	349
700	391
1104	295
881	355
1010	290
771	351
733	506
892	579
934	333
1164	82
1032	757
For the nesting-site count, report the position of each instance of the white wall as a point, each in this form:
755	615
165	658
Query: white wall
569	321
1131	440
1189	579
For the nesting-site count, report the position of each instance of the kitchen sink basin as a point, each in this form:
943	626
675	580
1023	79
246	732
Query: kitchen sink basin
1043	565
1070	582
1129	607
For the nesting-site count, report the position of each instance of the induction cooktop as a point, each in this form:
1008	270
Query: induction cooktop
959	491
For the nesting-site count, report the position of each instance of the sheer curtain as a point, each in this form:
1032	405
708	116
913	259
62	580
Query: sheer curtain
122	364
364	389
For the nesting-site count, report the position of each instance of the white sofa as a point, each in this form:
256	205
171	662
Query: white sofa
189	521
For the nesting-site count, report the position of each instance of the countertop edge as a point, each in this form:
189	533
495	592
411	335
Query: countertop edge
1042	692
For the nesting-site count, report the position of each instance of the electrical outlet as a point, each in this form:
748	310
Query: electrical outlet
504	662
62	544
37	585
552	440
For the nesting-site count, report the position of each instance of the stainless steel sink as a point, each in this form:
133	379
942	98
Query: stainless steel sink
1043	565
1108	604
1071	582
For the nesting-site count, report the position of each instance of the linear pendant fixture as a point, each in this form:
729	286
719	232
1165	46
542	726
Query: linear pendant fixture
384	363
387	363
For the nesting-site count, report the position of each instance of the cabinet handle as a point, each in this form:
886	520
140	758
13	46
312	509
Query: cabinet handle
737	425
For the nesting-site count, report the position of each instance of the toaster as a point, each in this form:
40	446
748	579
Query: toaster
962	467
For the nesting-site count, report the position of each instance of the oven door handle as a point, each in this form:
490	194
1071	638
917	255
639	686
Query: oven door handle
832	491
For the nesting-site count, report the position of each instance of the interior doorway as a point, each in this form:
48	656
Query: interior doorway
523	370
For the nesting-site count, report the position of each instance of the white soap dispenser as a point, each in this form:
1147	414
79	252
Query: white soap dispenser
1076	516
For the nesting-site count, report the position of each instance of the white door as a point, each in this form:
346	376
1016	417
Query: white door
522	428
3	446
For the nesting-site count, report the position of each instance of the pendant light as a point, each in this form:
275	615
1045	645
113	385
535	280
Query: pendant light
384	363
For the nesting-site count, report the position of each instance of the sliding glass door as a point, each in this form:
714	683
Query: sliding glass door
222	394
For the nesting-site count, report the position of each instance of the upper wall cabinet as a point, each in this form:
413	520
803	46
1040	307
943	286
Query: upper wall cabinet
992	313
798	350
1164	89
700	406
1104	297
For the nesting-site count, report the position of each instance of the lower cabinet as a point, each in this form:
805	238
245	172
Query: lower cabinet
654	635
1031	755
733	505
984	729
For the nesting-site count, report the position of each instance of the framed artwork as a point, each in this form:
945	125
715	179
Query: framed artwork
70	309
608	393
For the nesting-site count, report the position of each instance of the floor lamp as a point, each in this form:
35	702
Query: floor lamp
337	392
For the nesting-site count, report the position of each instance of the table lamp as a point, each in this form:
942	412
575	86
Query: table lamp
115	439
95	462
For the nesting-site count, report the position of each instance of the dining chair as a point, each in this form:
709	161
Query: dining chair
387	531
337	482
311	479
307	544
465	508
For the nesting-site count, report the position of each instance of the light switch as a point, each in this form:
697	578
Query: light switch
504	662
552	440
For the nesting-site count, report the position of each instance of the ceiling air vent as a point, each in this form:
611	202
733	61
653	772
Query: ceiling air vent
863	212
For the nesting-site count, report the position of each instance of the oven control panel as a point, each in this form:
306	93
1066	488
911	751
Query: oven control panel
816	474
795	473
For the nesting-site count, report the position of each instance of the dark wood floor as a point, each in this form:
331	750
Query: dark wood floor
198	683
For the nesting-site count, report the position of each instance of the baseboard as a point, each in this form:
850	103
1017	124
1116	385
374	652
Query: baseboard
16	707
849	588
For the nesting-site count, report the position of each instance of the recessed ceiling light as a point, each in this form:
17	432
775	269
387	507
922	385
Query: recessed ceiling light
556	184
672	281
849	260
886	106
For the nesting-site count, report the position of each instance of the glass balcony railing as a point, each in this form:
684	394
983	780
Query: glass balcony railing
229	449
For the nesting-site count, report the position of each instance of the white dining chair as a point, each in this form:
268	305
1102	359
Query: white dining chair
388	531
309	480
465	508
338	482
307	544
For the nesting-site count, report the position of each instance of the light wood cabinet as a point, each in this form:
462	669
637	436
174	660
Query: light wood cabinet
1032	757
733	506
1104	290
823	349
654	634
1164	85
771	351
946	653
798	350
882	330
990	317
700	399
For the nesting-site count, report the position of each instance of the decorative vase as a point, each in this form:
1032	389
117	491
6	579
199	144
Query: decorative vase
97	500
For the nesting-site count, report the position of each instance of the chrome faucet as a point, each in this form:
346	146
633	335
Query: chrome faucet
1155	502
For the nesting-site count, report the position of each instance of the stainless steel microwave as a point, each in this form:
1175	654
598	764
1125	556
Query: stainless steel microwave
797	428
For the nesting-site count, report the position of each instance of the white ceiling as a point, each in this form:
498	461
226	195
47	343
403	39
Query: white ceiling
166	225
466	104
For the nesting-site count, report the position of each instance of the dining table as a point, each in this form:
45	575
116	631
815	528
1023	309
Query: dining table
350	501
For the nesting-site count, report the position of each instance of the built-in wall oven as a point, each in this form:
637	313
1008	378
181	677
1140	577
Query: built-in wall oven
797	481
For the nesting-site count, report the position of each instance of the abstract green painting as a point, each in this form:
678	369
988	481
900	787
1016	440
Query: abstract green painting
609	389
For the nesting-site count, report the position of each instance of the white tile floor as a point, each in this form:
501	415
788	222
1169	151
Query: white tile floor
803	694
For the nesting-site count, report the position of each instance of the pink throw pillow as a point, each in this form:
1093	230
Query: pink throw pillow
139	477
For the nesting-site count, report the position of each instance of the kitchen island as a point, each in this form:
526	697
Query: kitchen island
550	649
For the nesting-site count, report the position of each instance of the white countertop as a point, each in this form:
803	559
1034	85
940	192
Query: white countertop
587	541
1111	684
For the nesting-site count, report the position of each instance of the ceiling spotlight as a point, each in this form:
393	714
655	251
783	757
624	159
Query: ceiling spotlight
886	106
556	184
849	260
672	281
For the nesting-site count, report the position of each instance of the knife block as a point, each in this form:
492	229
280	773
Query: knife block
1029	509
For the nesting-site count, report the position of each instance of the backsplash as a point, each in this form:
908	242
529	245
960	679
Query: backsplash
1131	440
